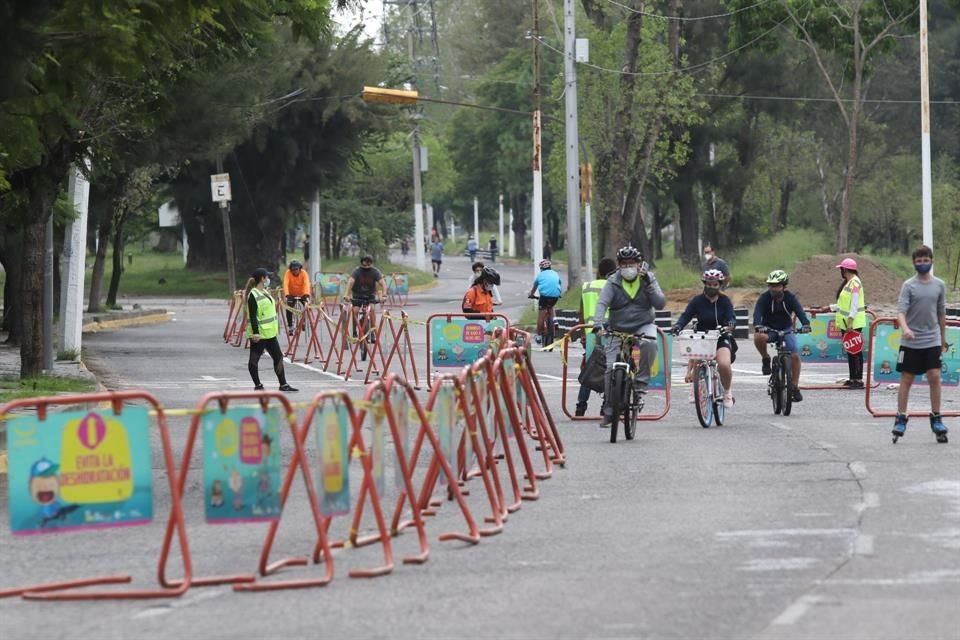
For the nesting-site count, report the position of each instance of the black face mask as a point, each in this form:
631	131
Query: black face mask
711	292
777	295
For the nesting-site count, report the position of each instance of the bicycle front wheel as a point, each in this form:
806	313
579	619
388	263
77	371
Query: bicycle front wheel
718	391
631	413
702	395
619	399
786	371
773	388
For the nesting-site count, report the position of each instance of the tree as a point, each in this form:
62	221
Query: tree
843	39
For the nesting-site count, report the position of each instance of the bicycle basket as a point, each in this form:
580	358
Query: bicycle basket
690	345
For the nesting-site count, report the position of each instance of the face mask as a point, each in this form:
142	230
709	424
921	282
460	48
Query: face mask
366	266
923	267
629	273
711	292
266	282
708	256
777	295
487	286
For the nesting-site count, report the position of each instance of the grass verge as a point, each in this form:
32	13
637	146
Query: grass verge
16	388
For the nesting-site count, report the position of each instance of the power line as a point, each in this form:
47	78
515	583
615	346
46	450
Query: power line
685	18
822	99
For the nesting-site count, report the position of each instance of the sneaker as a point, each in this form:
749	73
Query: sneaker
899	425
795	395
847	383
728	400
606	422
856	384
287	387
939	429
436	275
258	387
580	411
765	366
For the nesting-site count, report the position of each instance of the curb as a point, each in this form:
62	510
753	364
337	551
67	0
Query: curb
101	323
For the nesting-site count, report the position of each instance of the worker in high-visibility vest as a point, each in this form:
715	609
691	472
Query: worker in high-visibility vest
262	328
851	315
589	294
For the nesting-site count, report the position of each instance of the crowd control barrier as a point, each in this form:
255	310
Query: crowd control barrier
234	317
329	289
660	372
456	339
89	469
398	289
824	346
241	472
881	366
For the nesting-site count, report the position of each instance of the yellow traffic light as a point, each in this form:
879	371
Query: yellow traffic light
389	96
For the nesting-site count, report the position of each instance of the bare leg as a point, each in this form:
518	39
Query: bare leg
933	379
760	342
903	393
726	369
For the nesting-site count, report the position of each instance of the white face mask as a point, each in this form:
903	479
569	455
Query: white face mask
266	282
707	256
629	273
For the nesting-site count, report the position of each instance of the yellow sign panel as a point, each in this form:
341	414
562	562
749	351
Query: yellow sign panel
95	461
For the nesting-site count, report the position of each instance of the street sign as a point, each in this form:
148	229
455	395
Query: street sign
220	187
853	342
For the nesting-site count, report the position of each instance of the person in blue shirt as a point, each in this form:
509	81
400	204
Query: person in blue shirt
549	285
713	310
775	309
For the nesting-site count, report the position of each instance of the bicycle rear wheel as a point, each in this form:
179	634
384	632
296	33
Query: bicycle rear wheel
773	388
702	396
631	412
786	370
619	399
362	321
718	391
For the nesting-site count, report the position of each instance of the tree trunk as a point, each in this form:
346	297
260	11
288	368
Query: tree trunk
689	220
117	271
12	258
787	187
104	231
31	282
843	232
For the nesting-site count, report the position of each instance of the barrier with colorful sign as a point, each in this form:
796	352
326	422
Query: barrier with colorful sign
329	289
88	469
456	340
824	345
398	289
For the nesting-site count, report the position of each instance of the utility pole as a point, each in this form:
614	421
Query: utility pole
72	264
587	197
419	246
513	237
500	224
476	219
536	214
228	237
571	138
925	128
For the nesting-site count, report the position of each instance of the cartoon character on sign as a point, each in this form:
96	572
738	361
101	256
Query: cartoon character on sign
236	485
806	352
441	354
885	367
216	494
264	488
458	352
823	348
45	491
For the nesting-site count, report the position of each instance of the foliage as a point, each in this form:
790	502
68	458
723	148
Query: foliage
36	386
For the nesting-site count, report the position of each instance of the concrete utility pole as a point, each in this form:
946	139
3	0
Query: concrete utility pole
419	247
228	238
316	261
513	238
72	264
501	245
588	220
536	214
476	218
571	138
925	128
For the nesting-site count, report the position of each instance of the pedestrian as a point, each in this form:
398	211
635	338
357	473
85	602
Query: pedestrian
478	300
492	246
404	247
436	256
477	270
850	316
262	329
547	250
712	261
921	314
589	294
472	247
306	248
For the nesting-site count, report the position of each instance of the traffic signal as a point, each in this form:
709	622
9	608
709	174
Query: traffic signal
586	183
389	96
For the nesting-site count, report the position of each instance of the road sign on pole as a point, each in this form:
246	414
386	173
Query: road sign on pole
220	187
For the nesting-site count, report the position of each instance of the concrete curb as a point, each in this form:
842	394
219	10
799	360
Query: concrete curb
125	319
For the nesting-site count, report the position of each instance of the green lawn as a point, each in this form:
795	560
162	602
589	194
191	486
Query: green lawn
14	388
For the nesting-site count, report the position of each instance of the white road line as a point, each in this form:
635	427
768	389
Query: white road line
779	425
796	610
775	533
316	370
826	445
547	376
863	545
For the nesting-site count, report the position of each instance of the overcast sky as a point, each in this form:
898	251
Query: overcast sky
370	15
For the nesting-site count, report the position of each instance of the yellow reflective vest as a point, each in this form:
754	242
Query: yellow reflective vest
851	305
589	295
267	321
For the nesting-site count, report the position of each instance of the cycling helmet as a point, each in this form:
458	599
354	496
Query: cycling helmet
779	276
295	264
489	274
545	264
629	252
714	275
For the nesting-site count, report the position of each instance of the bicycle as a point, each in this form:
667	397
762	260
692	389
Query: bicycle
708	390
364	321
781	372
299	306
627	398
546	318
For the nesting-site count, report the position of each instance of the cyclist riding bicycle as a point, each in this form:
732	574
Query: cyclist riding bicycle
775	309
365	285
713	310
550	287
632	296
296	287
478	300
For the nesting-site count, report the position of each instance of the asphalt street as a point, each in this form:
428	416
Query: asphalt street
769	527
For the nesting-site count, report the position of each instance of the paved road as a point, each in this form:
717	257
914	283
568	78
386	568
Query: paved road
807	526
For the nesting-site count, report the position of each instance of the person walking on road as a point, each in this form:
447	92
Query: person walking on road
589	294
921	314
436	256
492	246
472	247
851	316
712	261
262	329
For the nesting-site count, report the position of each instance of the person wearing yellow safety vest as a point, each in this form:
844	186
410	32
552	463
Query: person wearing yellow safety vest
262	328
589	294
851	314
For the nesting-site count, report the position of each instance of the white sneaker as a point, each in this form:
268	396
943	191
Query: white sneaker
728	400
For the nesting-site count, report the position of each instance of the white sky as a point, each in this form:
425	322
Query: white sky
370	14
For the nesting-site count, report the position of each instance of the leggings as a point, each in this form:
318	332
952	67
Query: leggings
855	363
271	346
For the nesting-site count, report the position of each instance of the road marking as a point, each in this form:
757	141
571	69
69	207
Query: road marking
778	564
826	445
863	545
214	379
858	469
186	601
779	425
321	371
759	533
548	376
796	610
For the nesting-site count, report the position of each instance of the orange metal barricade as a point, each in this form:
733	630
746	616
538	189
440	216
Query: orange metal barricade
879	413
299	461
393	345
236	308
67	590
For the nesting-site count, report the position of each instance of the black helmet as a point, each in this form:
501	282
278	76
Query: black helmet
295	264
629	252
489	274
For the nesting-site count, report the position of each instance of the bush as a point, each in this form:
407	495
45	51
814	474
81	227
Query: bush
372	242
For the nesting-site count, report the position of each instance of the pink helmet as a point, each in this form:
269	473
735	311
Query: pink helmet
848	263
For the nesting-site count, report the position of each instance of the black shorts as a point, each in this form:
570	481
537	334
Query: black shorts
726	340
547	302
919	361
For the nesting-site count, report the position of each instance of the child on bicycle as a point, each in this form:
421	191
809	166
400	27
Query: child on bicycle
296	288
775	309
365	285
713	310
550	287
632	295
478	300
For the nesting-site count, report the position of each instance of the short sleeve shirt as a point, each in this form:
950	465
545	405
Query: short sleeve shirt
365	282
436	251
548	283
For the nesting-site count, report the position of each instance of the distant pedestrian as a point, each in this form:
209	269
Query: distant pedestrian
262	329
492	246
436	256
547	250
306	248
404	247
472	247
712	261
921	314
